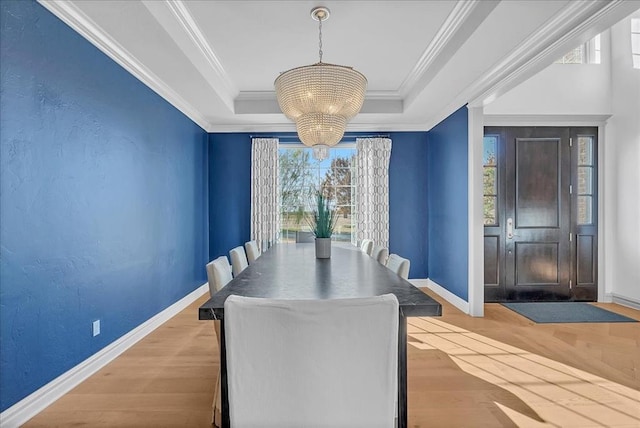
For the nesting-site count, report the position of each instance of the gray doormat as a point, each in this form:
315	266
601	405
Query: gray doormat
560	312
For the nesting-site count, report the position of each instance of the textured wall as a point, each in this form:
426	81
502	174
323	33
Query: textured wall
408	210
103	200
229	192
230	195
448	203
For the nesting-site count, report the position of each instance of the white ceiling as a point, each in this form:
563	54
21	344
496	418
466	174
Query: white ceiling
216	60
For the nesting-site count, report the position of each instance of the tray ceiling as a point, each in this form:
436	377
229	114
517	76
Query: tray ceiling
216	60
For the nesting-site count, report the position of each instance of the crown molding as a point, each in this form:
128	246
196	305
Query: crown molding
455	20
532	55
87	28
216	73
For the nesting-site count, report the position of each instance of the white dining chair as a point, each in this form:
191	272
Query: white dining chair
239	260
218	274
380	254
366	246
399	265
294	363
253	252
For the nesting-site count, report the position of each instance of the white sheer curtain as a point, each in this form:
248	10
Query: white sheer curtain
265	207
372	189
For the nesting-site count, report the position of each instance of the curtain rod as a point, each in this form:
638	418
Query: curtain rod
295	137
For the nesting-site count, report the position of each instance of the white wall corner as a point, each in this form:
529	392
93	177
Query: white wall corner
625	301
37	401
456	301
476	213
604	287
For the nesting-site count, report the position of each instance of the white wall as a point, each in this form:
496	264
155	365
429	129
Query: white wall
591	91
622	171
561	89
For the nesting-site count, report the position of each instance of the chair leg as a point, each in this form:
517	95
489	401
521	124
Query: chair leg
216	414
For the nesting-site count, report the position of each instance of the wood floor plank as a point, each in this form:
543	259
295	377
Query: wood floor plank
502	370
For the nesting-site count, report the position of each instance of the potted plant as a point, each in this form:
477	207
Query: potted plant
322	222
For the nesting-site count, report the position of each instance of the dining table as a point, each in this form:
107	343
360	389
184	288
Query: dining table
292	271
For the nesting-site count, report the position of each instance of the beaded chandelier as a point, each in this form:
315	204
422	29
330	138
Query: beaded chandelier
320	98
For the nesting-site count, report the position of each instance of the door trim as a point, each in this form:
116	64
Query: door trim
476	254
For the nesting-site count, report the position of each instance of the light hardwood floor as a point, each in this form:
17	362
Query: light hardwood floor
498	371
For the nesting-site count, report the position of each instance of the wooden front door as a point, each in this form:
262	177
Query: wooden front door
539	243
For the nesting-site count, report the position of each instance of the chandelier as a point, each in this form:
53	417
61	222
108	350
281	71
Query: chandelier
320	98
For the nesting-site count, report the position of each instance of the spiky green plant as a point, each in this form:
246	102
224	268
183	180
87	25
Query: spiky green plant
323	219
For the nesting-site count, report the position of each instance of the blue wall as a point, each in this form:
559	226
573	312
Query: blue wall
230	195
229	192
408	208
103	196
448	203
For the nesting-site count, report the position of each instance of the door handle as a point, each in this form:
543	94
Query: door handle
509	228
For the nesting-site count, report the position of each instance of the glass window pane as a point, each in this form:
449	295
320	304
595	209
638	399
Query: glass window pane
585	210
490	180
635	43
490	213
575	56
301	176
490	144
585	150
585	180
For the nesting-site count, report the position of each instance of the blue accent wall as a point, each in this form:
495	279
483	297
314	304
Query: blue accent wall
408	204
229	192
448	203
103	200
230	195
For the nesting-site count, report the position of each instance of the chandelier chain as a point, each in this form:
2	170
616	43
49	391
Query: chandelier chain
320	36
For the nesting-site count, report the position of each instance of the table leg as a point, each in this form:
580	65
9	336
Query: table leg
402	371
226	422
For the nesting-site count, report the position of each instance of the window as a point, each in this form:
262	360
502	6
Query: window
586	53
586	175
301	176
635	42
490	162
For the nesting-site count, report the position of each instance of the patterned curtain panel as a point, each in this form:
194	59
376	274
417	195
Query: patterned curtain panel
372	189
265	207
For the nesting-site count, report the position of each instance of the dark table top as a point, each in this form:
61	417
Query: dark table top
291	271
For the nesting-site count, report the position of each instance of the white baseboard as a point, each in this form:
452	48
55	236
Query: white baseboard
624	300
456	301
34	403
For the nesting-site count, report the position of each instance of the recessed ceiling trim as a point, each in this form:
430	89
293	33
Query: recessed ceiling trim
533	55
265	102
290	127
528	57
226	88
456	18
87	28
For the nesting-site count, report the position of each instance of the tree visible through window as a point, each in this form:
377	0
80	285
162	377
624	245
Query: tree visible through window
301	176
490	180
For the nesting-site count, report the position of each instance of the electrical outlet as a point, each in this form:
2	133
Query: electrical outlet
96	328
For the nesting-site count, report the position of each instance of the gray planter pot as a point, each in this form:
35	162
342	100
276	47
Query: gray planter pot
323	248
